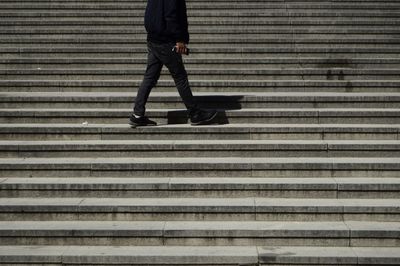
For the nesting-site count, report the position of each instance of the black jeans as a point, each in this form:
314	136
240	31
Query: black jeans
159	55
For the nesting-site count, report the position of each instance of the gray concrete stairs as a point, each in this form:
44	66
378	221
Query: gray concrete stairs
301	167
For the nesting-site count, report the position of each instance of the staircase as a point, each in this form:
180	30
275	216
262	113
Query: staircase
301	168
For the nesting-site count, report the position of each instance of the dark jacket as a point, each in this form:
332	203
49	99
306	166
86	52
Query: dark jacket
166	21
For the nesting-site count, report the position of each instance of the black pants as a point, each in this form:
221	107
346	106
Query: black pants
159	55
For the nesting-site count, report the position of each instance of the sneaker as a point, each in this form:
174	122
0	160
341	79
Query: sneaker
202	117
141	121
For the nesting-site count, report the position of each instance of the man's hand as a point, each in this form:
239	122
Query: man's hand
181	48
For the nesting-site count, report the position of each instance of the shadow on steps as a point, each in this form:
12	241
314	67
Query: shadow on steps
218	102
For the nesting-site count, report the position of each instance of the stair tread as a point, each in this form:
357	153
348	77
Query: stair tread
209	205
204	182
244	163
104	145
206	228
248	127
312	95
200	254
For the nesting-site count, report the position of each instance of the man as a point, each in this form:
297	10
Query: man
167	38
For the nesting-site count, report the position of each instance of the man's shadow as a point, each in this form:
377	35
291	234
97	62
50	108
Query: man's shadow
221	103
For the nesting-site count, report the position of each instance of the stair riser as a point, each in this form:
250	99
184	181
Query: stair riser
224	53
132	135
116	47
191	66
356	46
201	6
282	193
62	216
200	173
179	105
21	21
204	77
272	33
159	241
245	29
197	89
231	62
222	119
215	85
210	14
107	41
251	51
279	34
197	153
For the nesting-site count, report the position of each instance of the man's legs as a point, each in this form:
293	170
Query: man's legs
154	66
173	61
175	66
159	55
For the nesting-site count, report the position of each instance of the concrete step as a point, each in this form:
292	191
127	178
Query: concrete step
199	73
286	45
225	116
94	41
202	148
386	30
199	53
221	28
122	60
279	59
199	209
203	6
242	86
140	6
290	37
212	14
359	62
28	131
202	167
198	255
140	255
205	100
127	45
191	233
186	187
198	21
204	49
40	59
122	10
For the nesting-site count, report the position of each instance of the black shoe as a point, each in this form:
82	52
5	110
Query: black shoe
202	117
141	121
